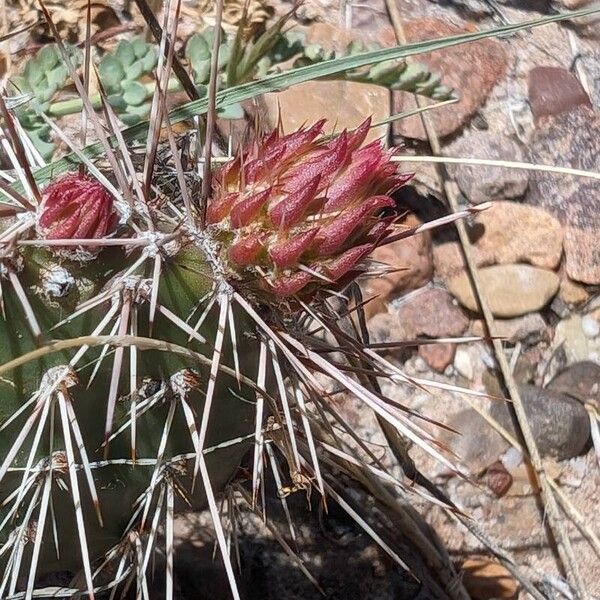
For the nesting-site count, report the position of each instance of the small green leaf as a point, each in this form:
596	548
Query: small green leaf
134	93
117	102
224	54
150	59
201	89
140	47
47	57
111	72
135	70
135	114
57	76
45	93
33	72
197	49
202	71
125	53
41	142
413	74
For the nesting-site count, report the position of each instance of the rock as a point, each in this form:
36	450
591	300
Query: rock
498	479
571	292
582	251
511	290
580	380
448	260
431	312
528	329
571	139
560	424
591	65
308	102
385	328
411	265
487	580
553	90
480	184
472	70
509	232
478	445
438	356
590	327
506	233
463	363
569	335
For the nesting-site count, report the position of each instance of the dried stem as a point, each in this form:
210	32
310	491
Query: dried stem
212	112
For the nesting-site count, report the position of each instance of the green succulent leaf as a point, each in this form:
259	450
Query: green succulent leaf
140	47
135	70
111	72
33	72
48	57
149	59
125	53
58	76
134	93
20	84
197	49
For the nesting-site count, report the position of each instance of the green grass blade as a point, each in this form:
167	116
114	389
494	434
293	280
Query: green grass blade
284	80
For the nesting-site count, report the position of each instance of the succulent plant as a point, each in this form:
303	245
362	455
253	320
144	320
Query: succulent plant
122	73
43	77
109	401
127	74
393	74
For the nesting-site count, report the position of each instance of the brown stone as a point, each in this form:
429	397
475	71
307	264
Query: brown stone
582	234
506	233
572	292
486	580
553	90
498	479
510	290
344	104
471	69
432	312
530	328
438	356
411	267
510	232
484	183
571	139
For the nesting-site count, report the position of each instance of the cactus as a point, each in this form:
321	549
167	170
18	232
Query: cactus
111	406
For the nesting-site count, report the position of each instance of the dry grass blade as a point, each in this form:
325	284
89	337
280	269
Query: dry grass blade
507	164
211	116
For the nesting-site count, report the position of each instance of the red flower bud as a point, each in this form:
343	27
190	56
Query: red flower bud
76	207
300	211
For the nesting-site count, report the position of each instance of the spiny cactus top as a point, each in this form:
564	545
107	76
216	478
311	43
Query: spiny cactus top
302	210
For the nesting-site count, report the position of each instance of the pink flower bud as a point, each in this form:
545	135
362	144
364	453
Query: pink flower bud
76	207
300	212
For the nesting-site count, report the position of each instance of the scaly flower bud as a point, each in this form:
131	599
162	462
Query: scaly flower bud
300	211
76	207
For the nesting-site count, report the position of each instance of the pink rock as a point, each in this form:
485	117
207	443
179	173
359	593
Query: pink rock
553	90
471	69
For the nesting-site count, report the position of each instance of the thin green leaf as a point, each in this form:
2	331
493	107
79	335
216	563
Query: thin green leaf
283	80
